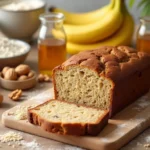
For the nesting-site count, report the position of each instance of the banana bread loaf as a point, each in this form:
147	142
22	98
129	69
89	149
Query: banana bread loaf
67	118
107	78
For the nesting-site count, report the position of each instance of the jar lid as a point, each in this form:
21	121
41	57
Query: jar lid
52	17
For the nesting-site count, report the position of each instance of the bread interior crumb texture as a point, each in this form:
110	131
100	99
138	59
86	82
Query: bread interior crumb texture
83	86
57	111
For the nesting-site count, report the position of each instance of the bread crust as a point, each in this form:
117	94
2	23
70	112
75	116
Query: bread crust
131	88
77	129
127	69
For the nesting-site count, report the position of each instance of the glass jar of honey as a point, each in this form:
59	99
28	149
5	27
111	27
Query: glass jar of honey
51	42
143	35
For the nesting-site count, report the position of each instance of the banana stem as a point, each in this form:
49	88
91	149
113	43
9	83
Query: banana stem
112	4
124	7
117	5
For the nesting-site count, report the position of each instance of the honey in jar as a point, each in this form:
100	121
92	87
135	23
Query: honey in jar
52	52
143	35
51	48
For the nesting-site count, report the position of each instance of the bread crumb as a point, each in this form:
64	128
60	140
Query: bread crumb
21	112
32	145
19	144
21	116
9	144
10	136
147	139
10	113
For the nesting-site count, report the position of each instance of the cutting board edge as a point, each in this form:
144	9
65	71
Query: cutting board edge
63	140
107	146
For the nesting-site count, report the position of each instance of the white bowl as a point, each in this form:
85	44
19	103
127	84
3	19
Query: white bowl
20	24
15	60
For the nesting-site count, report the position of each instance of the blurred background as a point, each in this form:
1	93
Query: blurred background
106	26
88	5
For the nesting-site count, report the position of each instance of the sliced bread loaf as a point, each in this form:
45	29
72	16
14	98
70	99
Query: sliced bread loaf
106	78
67	118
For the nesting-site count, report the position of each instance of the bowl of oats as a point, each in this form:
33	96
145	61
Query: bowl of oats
13	52
19	19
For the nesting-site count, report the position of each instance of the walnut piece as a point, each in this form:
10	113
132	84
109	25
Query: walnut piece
147	145
47	78
31	74
15	95
44	78
41	78
22	78
10	74
4	70
22	69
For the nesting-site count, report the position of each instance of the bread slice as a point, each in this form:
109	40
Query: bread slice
67	118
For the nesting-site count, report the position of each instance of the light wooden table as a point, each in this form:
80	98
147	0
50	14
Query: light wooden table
47	144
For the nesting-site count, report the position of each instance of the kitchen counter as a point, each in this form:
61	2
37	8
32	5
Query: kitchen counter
38	143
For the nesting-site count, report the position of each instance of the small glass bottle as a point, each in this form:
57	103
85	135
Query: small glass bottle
51	42
143	35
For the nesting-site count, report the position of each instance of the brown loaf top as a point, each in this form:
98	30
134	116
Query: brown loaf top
113	62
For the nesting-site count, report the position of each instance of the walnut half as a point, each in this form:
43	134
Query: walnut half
44	78
15	95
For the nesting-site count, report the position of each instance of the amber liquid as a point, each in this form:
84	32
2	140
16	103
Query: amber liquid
52	52
143	43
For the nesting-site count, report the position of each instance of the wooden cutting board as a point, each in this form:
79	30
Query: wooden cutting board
120	130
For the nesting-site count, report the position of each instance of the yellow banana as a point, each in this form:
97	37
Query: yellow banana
97	31
84	18
122	37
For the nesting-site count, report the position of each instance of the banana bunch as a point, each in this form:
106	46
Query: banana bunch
111	25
